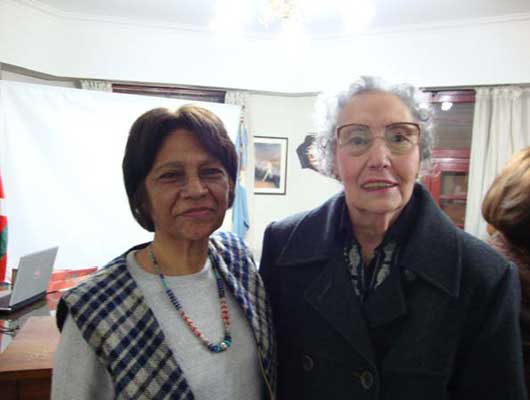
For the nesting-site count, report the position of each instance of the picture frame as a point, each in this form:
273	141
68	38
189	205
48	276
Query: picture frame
270	171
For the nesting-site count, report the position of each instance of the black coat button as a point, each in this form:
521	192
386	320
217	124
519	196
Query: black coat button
367	379
307	363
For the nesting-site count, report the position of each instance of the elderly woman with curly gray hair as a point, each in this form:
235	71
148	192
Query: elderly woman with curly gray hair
375	293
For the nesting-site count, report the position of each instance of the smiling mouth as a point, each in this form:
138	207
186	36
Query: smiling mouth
197	212
378	185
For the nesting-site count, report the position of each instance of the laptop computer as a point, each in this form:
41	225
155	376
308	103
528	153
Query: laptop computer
33	275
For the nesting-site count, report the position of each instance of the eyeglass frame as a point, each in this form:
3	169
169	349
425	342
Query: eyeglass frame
418	126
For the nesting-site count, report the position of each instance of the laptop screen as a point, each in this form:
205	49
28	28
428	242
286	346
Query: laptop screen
33	275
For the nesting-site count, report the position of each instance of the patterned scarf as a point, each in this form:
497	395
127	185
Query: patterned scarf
366	278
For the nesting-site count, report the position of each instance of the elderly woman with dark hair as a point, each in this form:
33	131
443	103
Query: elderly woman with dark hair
184	316
506	208
376	294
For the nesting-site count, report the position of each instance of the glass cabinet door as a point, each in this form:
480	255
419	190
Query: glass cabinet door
453	194
453	118
448	183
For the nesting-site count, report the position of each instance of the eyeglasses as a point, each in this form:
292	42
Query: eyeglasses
400	137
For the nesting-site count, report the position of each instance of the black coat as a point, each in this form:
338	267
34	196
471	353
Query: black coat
451	331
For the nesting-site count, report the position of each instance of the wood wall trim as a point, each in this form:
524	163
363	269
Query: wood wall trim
197	94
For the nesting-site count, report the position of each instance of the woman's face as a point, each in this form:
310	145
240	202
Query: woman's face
187	189
377	182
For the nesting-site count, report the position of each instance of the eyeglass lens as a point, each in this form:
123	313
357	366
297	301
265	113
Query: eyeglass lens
400	137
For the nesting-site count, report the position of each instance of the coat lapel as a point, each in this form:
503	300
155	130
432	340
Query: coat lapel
434	257
332	295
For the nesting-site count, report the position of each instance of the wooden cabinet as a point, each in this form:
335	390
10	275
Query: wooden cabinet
26	365
448	182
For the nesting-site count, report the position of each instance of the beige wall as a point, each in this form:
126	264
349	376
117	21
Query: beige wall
291	117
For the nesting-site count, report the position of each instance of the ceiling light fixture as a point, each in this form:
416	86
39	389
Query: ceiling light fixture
288	12
446	106
292	15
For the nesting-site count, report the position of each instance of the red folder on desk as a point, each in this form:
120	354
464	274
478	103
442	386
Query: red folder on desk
68	278
63	279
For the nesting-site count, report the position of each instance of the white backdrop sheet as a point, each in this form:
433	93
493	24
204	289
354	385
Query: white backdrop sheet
60	158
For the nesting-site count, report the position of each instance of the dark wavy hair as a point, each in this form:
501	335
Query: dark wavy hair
148	134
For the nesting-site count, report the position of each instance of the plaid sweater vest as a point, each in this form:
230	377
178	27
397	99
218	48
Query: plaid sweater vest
115	321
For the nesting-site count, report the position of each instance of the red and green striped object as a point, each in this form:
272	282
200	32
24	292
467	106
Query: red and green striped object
3	235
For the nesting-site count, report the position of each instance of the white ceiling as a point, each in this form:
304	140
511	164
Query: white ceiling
196	14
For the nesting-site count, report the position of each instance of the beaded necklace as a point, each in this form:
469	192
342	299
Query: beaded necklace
213	347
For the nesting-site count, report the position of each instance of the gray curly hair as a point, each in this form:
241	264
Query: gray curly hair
329	107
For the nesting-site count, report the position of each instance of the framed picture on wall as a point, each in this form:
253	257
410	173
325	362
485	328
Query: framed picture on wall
271	165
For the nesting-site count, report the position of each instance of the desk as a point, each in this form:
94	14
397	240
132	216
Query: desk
26	364
15	320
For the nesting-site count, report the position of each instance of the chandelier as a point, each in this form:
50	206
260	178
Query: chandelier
288	12
235	15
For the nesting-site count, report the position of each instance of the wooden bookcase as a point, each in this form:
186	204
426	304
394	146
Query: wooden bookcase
453	119
448	182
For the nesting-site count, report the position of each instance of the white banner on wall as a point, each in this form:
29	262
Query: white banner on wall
60	157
